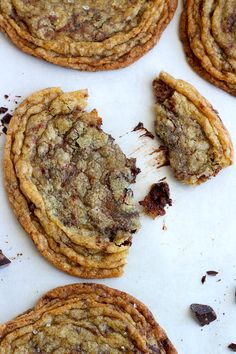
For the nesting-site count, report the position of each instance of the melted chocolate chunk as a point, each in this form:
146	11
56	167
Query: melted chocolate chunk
4	261
161	90
203	279
204	314
158	197
232	346
6	119
212	273
147	133
3	110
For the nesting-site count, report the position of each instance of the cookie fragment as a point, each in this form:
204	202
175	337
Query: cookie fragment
68	184
204	314
207	31
157	199
4	261
85	318
199	145
86	35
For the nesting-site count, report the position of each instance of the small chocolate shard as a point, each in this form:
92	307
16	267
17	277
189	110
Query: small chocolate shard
161	90
6	119
203	279
204	313
147	133
3	110
4	261
232	346
4	130
6	97
213	273
158	197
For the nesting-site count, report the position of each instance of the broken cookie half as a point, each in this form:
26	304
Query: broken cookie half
68	183
199	145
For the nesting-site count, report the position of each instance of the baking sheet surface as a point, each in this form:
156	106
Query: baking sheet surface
165	264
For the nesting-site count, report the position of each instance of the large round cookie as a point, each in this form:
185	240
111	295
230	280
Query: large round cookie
199	145
85	318
208	33
86	34
67	182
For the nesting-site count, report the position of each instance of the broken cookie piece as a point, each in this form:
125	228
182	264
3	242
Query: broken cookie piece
198	143
4	261
157	199
204	314
68	184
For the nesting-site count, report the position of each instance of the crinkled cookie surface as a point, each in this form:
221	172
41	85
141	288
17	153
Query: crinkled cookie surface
199	145
85	34
208	33
68	184
85	318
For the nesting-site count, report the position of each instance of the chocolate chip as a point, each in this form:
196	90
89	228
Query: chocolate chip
203	279
212	273
204	314
4	130
3	110
4	261
6	96
6	119
232	346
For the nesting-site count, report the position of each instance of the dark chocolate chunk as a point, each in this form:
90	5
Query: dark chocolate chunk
232	346
6	119
147	133
212	273
4	130
204	314
203	279
3	110
158	197
6	96
4	261
161	90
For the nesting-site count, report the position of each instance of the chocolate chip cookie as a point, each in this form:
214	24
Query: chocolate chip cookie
199	145
68	183
86	34
208	33
85	318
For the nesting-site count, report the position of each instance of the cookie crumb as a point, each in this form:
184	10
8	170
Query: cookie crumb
157	199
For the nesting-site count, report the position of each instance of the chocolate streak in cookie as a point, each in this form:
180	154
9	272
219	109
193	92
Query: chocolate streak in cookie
198	143
68	183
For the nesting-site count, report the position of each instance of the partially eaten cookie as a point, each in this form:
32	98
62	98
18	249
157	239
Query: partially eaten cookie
199	145
68	183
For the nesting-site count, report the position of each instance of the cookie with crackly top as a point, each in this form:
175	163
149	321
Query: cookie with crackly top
68	184
208	34
199	145
85	318
86	34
